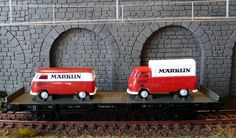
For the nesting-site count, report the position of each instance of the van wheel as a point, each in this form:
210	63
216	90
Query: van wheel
44	95
144	94
82	95
183	92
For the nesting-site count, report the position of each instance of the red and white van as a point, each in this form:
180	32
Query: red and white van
49	81
177	75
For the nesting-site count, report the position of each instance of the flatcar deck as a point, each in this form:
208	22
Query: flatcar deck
112	100
110	97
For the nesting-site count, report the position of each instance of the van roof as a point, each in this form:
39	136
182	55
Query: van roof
64	70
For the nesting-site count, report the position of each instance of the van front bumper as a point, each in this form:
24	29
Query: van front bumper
131	92
33	93
93	93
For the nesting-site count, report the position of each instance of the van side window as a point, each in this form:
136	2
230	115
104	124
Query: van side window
143	75
43	77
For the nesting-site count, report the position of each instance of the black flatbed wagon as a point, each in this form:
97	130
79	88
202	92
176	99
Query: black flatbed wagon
114	101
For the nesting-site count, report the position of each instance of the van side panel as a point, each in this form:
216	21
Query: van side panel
64	81
63	87
173	84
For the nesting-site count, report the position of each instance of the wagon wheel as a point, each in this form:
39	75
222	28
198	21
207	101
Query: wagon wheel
82	95
144	94
44	95
183	92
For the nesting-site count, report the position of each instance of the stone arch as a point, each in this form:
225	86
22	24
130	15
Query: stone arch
100	30
230	52
56	31
11	61
232	87
230	44
171	42
200	34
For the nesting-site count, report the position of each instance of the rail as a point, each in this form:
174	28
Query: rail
191	128
118	12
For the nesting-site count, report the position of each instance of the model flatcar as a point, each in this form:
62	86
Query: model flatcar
165	75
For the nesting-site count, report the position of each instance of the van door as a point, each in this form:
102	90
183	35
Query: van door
59	85
143	80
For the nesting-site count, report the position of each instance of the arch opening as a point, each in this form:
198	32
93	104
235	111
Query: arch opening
233	73
80	47
173	42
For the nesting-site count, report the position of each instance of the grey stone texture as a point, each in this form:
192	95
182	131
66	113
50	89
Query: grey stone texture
114	48
83	48
11	58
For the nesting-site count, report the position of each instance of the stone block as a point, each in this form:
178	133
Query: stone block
194	26
98	28
207	46
204	38
228	52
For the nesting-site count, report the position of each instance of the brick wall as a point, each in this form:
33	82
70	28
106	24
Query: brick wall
116	47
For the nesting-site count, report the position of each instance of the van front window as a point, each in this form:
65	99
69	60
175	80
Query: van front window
142	75
132	74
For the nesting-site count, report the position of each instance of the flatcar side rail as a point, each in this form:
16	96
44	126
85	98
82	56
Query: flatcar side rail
209	93
14	95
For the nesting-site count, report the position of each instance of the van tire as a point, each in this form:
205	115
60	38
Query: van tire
82	95
44	95
144	94
183	93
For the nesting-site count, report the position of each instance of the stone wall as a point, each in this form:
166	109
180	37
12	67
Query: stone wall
81	47
114	48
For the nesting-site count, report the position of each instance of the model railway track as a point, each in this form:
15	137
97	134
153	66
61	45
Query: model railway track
208	123
109	127
116	123
15	116
222	114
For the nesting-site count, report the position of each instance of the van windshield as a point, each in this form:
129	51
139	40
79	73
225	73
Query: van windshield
132	74
142	75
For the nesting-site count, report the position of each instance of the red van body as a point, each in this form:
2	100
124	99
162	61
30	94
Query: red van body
163	76
64	81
